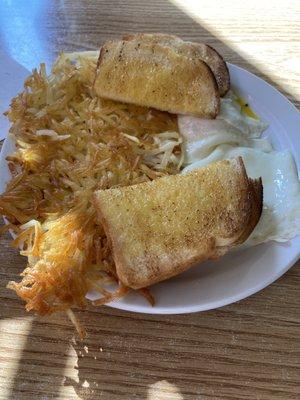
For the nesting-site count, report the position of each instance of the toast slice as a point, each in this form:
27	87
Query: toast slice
190	49
156	76
159	229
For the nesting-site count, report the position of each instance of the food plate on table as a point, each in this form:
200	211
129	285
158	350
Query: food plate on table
242	271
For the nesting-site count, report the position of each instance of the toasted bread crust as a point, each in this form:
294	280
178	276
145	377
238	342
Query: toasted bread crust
256	195
159	229
156	76
191	49
218	66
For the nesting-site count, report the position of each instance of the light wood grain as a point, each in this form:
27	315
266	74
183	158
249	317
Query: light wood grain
248	350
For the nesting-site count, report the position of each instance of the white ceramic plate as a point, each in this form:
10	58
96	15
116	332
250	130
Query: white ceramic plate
12	77
240	274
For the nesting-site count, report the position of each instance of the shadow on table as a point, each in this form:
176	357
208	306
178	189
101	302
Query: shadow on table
130	359
41	366
145	367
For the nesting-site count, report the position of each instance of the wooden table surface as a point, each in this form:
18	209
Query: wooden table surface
248	350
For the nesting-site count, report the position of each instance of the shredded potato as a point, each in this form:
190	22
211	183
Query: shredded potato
70	143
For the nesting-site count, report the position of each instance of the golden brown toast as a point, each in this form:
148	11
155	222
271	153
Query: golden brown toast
190	49
161	228
156	76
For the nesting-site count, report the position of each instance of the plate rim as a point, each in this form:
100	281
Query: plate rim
160	310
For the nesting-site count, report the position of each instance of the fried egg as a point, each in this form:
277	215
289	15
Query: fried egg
235	134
